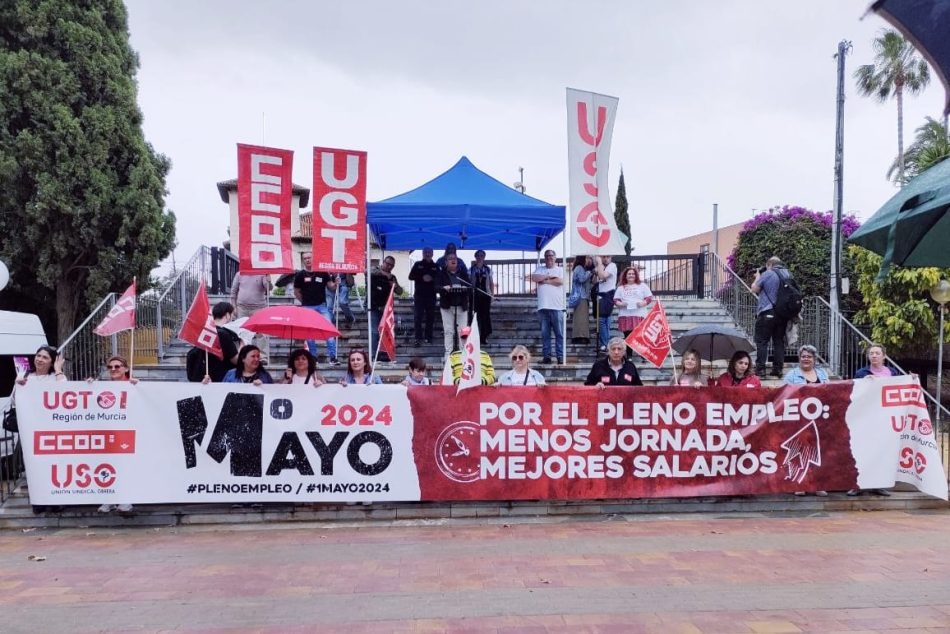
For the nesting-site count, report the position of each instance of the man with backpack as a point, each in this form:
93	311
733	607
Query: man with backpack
780	301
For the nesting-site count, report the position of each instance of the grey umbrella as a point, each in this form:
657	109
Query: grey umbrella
713	341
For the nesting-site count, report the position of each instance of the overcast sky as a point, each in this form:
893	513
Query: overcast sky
729	102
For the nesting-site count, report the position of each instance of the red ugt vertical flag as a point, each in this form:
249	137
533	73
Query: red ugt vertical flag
122	315
387	328
199	329
651	338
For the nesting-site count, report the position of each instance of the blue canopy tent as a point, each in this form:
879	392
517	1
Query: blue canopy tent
466	206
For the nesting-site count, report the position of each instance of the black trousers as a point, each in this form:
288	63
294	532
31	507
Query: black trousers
769	329
424	311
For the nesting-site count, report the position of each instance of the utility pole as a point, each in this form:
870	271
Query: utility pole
834	325
520	184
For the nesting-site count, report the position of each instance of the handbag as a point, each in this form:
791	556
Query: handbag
9	420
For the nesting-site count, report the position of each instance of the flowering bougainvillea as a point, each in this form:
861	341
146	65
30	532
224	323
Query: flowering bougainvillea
801	238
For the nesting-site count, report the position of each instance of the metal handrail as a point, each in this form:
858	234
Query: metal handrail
69	339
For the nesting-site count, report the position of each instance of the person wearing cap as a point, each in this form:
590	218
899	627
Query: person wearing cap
455	361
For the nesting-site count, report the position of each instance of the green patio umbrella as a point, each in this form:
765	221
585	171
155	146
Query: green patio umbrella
913	227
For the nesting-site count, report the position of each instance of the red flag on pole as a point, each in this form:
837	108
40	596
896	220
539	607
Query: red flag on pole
122	315
651	338
387	328
199	329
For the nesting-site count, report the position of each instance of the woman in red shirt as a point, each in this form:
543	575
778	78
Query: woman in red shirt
739	373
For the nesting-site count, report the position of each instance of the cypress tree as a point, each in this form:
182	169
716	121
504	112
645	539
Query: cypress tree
81	191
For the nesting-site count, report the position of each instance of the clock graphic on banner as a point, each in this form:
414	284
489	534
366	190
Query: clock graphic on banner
457	452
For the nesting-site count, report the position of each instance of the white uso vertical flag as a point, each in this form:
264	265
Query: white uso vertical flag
471	360
590	217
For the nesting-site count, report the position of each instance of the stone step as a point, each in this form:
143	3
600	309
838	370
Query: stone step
16	513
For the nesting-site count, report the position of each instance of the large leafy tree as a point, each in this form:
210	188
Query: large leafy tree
930	146
802	239
897	68
81	191
898	312
620	214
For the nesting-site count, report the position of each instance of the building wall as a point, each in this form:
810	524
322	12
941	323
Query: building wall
728	237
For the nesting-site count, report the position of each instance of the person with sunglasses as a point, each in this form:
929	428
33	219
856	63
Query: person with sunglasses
521	372
118	369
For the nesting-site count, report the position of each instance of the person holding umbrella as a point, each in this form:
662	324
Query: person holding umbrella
302	369
739	373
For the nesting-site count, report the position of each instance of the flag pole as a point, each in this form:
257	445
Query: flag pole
132	332
207	362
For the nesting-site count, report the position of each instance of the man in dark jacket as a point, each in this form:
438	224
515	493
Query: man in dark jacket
381	282
613	369
454	290
424	274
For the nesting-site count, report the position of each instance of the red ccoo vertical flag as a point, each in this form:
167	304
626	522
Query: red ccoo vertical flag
199	329
122	315
387	328
652	338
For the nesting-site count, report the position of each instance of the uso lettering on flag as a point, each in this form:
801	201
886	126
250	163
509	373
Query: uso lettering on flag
265	191
339	210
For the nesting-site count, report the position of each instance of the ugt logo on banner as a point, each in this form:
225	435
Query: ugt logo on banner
339	210
265	190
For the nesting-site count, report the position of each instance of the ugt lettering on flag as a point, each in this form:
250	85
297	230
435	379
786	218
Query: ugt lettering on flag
122	315
199	328
651	338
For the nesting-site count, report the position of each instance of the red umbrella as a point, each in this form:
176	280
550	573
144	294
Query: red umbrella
291	322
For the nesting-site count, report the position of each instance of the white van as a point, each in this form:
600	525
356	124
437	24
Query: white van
20	336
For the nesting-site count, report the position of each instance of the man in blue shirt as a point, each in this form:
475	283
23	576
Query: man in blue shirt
769	327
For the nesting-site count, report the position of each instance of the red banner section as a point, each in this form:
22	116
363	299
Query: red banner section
265	190
566	443
339	210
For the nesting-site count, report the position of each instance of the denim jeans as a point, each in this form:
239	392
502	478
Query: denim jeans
604	335
331	343
343	292
551	322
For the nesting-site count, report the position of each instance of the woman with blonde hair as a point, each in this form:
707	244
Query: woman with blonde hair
690	372
521	372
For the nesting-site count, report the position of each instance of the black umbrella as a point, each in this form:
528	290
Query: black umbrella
713	341
926	24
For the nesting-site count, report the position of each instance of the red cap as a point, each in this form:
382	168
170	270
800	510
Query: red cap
464	332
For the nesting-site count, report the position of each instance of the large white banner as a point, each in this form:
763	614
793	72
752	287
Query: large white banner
180	442
590	126
112	442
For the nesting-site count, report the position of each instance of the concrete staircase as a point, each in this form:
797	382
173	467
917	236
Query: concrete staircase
514	321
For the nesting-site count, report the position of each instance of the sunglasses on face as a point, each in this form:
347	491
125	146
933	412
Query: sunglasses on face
519	357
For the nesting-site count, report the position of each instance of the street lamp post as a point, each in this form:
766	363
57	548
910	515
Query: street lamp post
940	294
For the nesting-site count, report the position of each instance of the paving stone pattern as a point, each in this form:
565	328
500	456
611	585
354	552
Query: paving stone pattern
840	572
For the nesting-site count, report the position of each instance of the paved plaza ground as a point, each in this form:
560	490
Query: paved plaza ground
849	572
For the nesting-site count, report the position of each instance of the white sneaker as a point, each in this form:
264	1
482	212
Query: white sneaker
124	508
106	508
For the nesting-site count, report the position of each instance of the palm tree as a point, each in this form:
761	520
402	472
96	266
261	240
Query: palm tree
897	67
930	146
